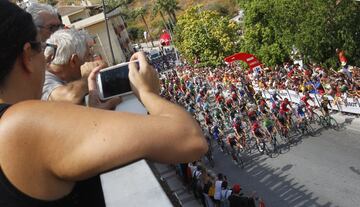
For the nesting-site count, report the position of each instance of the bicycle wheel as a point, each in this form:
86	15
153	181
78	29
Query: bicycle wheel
317	119
240	160
250	144
260	147
333	123
310	130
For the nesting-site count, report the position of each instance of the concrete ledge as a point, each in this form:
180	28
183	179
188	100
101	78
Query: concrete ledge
135	184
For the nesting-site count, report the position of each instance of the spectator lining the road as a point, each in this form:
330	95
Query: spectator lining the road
54	145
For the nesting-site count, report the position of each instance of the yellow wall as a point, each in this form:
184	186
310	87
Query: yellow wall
81	15
99	30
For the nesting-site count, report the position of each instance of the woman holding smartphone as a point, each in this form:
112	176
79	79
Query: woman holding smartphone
46	147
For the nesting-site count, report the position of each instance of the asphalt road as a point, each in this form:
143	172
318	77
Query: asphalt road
316	171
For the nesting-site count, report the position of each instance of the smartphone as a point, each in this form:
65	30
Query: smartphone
114	81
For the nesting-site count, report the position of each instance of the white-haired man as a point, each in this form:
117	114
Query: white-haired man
63	78
46	18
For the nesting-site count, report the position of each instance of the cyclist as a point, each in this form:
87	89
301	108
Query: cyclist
218	115
282	121
274	97
208	118
252	115
258	96
257	132
233	142
229	103
300	114
263	107
284	105
217	133
306	98
269	125
324	105
238	128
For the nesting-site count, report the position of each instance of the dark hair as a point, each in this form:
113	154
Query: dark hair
220	176
224	185
16	28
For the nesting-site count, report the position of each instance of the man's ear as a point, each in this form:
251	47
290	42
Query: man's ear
27	57
74	60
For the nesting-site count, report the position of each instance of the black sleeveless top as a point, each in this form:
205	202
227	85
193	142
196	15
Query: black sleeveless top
85	193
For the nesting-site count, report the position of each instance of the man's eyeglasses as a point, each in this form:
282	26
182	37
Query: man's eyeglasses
53	27
48	49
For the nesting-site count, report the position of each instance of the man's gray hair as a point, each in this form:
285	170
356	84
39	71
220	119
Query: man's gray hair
68	42
35	9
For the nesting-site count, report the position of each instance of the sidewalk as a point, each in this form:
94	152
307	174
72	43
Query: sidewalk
168	174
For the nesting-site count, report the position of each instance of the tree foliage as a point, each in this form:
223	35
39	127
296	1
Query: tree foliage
205	36
316	28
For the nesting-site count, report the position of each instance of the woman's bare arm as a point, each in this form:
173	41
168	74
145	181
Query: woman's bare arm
75	142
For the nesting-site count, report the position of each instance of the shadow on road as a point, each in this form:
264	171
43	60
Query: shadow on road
355	170
274	185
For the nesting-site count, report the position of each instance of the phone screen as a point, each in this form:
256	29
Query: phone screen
115	81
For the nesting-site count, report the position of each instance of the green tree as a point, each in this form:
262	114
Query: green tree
157	9
170	7
205	36
140	13
112	4
316	28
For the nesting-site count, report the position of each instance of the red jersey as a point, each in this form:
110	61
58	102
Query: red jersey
284	106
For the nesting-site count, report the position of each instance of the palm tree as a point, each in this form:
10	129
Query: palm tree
140	13
170	6
173	6
158	10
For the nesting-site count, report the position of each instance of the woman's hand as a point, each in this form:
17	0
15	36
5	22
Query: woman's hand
143	79
94	99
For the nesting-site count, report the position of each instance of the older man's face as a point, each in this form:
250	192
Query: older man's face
50	25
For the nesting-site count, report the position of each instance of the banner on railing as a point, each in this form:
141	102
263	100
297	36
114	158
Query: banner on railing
349	105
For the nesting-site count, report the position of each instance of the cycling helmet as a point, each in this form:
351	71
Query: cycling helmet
286	100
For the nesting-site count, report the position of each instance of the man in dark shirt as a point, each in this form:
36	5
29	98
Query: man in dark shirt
238	200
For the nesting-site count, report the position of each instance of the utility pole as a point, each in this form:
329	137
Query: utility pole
108	33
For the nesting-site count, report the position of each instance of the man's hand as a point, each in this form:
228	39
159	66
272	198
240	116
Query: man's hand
94	100
88	67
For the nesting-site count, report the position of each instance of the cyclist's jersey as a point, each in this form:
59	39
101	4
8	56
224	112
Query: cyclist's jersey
237	126
242	93
282	119
242	107
198	98
217	114
234	97
274	96
219	99
262	102
255	127
283	106
207	119
252	115
216	132
268	123
191	110
325	103
222	107
206	106
228	103
232	141
305	100
300	111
